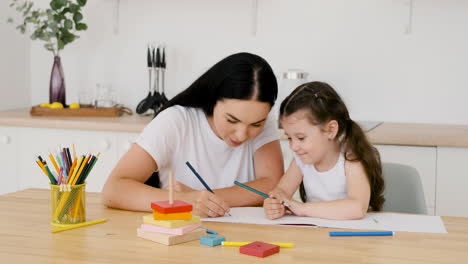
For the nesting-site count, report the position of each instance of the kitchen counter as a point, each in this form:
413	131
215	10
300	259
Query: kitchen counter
408	134
125	123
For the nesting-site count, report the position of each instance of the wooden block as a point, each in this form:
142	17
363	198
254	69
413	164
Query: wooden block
259	249
171	231
212	240
176	216
171	239
148	219
177	207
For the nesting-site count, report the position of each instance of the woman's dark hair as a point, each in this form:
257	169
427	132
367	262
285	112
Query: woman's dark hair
239	76
242	76
323	104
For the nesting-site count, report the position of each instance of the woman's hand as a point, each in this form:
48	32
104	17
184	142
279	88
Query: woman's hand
206	204
180	187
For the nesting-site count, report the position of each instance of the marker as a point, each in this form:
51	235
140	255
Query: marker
348	233
242	243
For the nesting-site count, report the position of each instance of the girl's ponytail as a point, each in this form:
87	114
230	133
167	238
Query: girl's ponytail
358	148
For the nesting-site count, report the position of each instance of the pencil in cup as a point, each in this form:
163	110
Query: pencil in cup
73	198
67	204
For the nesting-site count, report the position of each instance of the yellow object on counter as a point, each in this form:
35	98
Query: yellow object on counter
56	105
74	105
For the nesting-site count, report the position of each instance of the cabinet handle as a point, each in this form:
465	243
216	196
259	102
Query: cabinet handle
127	145
6	139
104	145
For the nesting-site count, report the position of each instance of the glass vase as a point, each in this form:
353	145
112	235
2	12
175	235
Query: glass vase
57	82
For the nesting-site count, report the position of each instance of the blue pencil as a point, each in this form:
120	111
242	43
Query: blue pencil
374	233
199	177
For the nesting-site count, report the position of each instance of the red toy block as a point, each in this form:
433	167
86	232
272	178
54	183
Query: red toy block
259	249
177	207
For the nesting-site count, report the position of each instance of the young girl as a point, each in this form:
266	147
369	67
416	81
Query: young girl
219	124
338	170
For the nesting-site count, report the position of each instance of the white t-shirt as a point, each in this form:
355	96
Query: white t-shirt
324	186
180	134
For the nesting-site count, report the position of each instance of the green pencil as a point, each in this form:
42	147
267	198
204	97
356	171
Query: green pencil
251	189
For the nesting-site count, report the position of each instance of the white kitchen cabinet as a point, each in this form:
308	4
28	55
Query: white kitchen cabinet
452	181
124	142
423	159
40	141
8	154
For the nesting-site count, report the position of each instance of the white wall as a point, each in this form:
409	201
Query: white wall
14	63
359	46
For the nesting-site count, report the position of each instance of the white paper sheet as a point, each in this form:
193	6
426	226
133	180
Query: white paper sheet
372	221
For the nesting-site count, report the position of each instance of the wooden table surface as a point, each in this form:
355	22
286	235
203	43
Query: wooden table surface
25	237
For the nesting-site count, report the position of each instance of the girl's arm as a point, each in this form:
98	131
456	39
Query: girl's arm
268	165
289	183
353	207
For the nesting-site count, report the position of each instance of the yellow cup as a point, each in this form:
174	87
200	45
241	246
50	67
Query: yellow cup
68	204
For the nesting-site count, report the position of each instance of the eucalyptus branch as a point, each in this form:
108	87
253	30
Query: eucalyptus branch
57	26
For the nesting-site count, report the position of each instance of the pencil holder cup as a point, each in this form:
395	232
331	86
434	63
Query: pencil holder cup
68	204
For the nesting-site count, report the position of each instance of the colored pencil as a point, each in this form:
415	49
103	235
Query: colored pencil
251	189
60	229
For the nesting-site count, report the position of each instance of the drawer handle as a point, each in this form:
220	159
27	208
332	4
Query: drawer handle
104	145
6	140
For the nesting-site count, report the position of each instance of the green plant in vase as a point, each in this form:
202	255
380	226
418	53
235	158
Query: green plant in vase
57	26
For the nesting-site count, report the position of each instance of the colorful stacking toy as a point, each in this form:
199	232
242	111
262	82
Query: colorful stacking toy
171	222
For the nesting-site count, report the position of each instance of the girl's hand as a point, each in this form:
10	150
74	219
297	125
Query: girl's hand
294	206
273	208
206	204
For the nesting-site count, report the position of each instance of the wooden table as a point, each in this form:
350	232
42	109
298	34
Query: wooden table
25	237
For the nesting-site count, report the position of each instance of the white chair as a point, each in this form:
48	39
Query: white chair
403	189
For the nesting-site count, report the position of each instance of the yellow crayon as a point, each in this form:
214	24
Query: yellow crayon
60	229
242	243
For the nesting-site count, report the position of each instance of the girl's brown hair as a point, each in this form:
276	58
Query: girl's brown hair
323	104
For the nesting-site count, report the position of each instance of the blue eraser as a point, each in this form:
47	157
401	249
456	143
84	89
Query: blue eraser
212	240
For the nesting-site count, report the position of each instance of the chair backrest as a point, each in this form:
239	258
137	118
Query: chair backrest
403	189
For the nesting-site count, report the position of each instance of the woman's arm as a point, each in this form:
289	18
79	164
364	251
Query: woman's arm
268	163
353	207
126	189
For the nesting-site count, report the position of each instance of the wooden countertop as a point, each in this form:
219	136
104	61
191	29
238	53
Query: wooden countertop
429	135
25	237
125	123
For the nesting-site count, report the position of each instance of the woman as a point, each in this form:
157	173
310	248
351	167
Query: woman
219	124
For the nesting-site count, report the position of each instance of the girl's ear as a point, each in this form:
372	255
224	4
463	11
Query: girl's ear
332	129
